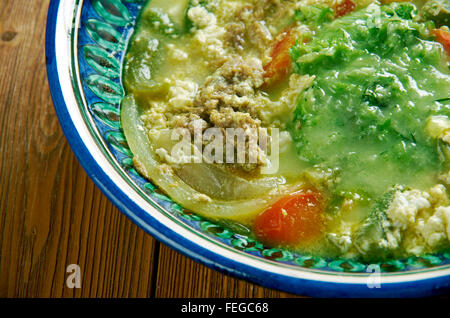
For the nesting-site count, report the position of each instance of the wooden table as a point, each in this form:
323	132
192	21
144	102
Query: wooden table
52	215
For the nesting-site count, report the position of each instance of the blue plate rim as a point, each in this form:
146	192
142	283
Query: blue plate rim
296	285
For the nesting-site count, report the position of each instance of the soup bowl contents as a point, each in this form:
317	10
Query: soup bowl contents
321	126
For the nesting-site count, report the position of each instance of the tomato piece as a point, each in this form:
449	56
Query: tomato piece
344	8
280	65
296	219
443	37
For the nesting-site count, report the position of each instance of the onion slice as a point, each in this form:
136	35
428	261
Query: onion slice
208	191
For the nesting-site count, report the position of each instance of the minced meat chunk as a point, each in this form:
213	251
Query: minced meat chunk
234	85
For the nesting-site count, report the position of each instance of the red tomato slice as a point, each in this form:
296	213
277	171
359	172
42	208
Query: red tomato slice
443	37
280	65
344	8
295	219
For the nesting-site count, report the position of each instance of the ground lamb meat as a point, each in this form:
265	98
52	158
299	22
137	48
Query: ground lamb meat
234	85
260	35
235	35
227	117
229	98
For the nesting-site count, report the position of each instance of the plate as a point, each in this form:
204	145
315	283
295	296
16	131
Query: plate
85	44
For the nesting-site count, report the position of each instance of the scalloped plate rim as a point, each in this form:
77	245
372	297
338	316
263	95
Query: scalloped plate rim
266	273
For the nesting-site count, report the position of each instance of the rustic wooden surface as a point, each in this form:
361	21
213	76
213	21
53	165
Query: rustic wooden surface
52	215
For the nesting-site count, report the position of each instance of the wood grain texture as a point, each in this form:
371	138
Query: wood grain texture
52	215
178	276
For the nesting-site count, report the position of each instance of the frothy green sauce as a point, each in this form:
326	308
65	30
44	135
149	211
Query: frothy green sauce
379	76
